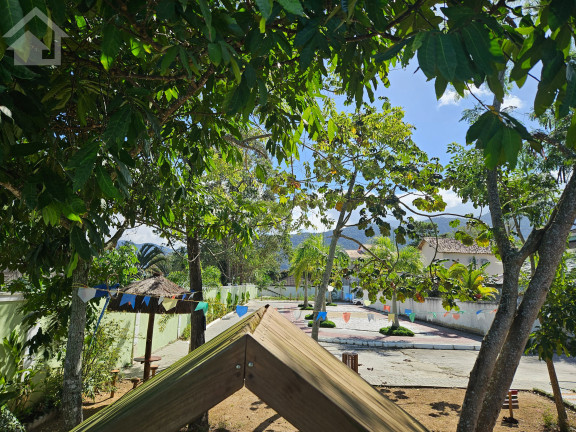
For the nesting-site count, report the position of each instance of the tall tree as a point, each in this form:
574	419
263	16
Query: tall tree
557	330
361	162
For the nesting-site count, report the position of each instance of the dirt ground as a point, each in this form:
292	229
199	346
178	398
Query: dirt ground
437	409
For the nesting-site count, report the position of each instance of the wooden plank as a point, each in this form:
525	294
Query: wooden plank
312	389
185	390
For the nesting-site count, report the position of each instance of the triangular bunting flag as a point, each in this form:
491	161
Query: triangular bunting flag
241	310
434	314
391	317
128	298
160	300
101	291
408	311
183	297
169	304
146	300
412	316
370	317
297	314
86	293
346	316
386	308
367	302
446	314
479	312
202	306
456	316
321	315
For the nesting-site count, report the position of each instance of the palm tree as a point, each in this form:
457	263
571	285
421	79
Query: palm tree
150	259
308	262
469	280
401	267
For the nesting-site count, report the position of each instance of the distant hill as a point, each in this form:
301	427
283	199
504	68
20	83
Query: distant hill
353	232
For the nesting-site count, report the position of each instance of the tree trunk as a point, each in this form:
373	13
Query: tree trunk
306	289
197	318
320	299
72	385
562	416
396	320
550	249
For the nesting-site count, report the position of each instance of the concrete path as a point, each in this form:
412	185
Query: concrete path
383	362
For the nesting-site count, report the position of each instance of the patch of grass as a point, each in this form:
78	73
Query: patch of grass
307	308
331	304
325	324
400	331
309	316
549	420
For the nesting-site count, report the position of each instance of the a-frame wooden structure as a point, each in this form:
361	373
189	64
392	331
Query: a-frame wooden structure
277	362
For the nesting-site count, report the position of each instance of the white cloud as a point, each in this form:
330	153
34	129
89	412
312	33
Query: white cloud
512	101
143	234
451	97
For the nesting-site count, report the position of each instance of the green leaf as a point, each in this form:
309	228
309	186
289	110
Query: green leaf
111	40
118	125
263	25
207	17
391	51
72	265
265	7
496	86
571	134
106	185
168	58
51	215
106	61
511	144
440	86
445	56
79	242
558	12
477	41
10	16
215	53
292	6
427	56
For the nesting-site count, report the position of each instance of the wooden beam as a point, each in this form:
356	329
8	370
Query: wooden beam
311	388
189	387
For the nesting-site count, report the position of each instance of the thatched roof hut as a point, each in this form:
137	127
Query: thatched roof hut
148	293
155	287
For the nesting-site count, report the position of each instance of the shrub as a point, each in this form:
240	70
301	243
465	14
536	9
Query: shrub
309	316
9	422
331	304
101	354
325	324
400	331
307	308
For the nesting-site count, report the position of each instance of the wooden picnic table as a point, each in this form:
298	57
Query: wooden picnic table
147	362
150	359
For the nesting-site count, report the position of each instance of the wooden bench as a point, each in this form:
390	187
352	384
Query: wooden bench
511	403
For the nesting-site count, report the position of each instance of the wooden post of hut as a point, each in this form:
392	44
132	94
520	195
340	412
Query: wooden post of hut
148	351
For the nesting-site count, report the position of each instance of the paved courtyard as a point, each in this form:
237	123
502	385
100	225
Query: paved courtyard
441	358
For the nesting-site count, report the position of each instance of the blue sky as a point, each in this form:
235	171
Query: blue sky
437	124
